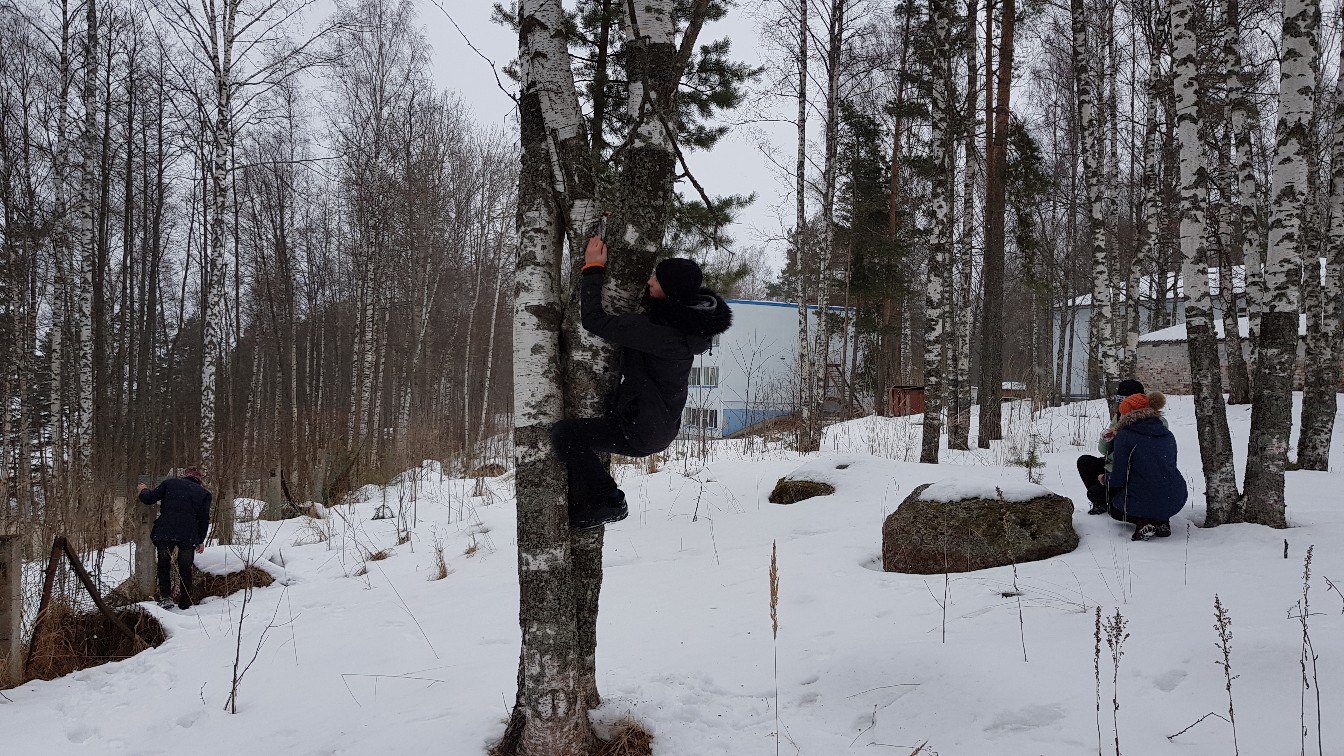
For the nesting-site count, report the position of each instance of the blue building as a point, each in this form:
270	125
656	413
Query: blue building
751	373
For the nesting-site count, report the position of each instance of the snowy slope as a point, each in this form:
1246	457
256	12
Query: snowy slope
392	662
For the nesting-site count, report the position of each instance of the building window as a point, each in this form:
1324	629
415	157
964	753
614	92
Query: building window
705	376
697	417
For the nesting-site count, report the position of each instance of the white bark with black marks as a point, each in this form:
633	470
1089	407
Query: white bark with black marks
1215	444
1272	409
1322	371
943	140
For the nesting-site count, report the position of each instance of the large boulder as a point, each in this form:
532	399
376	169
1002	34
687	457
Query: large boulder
952	526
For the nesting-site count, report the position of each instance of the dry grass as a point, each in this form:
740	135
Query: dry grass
440	564
488	470
378	556
72	640
628	738
205	584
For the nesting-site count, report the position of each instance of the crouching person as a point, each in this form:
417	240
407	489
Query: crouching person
1145	487
183	522
1092	467
657	348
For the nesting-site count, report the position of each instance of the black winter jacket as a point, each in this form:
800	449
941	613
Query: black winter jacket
185	514
657	349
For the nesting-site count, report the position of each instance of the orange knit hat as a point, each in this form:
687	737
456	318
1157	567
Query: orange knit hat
1133	402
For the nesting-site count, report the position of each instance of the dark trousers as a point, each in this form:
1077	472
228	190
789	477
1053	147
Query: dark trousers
1089	467
1119	514
186	558
577	444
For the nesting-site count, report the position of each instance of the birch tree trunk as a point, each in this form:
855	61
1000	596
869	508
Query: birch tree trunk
996	179
1272	409
550	717
221	38
1322	370
807	436
942	138
1215	444
1101	320
85	244
1231	223
826	252
1245	116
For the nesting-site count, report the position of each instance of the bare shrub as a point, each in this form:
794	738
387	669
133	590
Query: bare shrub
73	640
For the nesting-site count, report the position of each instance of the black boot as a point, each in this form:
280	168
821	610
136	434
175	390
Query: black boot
1143	533
609	509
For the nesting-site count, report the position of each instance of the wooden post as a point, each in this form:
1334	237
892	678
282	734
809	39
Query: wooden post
144	571
11	610
48	582
272	494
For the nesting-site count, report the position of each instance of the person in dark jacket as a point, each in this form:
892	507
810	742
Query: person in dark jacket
657	348
184	520
1144	485
1091	467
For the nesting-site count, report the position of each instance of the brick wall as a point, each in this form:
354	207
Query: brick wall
1165	366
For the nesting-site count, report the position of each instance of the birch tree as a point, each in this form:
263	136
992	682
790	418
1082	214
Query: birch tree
1101	320
1272	408
809	426
550	717
1234	230
1215	445
942	137
85	241
1322	369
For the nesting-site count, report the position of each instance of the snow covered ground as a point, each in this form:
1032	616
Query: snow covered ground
362	657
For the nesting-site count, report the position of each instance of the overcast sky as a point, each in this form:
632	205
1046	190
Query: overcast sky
736	166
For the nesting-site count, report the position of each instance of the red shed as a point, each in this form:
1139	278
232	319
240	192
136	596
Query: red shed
905	400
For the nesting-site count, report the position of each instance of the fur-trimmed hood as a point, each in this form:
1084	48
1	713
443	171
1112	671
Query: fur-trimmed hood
1136	421
706	315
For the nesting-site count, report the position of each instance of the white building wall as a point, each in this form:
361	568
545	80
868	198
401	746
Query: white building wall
756	361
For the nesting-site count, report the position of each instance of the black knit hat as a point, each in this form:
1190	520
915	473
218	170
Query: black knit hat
1129	387
679	277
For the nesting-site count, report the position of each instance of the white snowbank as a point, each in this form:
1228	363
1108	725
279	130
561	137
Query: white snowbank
1177	332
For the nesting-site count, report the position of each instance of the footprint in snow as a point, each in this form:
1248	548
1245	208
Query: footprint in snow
80	734
1167	681
1026	718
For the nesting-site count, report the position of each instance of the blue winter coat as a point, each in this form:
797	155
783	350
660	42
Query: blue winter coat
185	514
1144	481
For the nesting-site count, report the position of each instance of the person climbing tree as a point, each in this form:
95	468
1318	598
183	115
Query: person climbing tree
183	522
657	348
